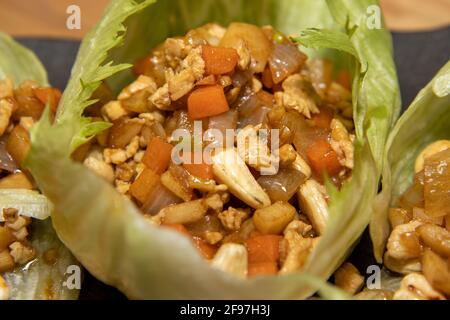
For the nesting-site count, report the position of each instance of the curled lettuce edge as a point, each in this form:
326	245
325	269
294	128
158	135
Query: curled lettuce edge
426	120
38	279
107	233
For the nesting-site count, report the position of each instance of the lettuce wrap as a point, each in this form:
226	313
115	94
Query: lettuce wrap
38	279
109	235
425	121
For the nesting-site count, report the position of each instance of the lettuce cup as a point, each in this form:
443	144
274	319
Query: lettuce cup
33	262
199	152
410	225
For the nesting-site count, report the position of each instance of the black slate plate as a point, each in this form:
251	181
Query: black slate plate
418	57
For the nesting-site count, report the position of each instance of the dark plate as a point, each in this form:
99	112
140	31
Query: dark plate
418	57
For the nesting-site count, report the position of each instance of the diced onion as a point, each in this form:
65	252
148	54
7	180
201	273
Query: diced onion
283	185
254	109
160	198
6	161
286	59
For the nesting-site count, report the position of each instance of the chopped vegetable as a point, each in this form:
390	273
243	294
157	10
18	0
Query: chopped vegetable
323	118
7	163
159	198
207	102
283	185
176	181
436	271
286	59
437	184
200	170
158	155
207	250
273	219
262	268
152	66
50	96
219	60
209	223
323	158
264	248
16	181
178	228
123	131
252	36
414	196
254	109
430	150
227	120
321	75
186	212
28	105
18	144
144	185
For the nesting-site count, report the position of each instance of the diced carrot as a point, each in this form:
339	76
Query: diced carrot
263	248
323	158
200	170
219	60
207	102
323	118
49	96
143	186
177	227
207	250
158	155
262	268
343	78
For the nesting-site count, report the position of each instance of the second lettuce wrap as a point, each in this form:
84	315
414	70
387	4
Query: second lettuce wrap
426	120
108	234
38	279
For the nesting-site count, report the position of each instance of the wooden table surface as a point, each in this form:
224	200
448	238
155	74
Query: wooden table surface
47	18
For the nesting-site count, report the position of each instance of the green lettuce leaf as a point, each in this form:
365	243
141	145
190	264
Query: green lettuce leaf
107	233
426	120
376	95
44	278
39	279
18	63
